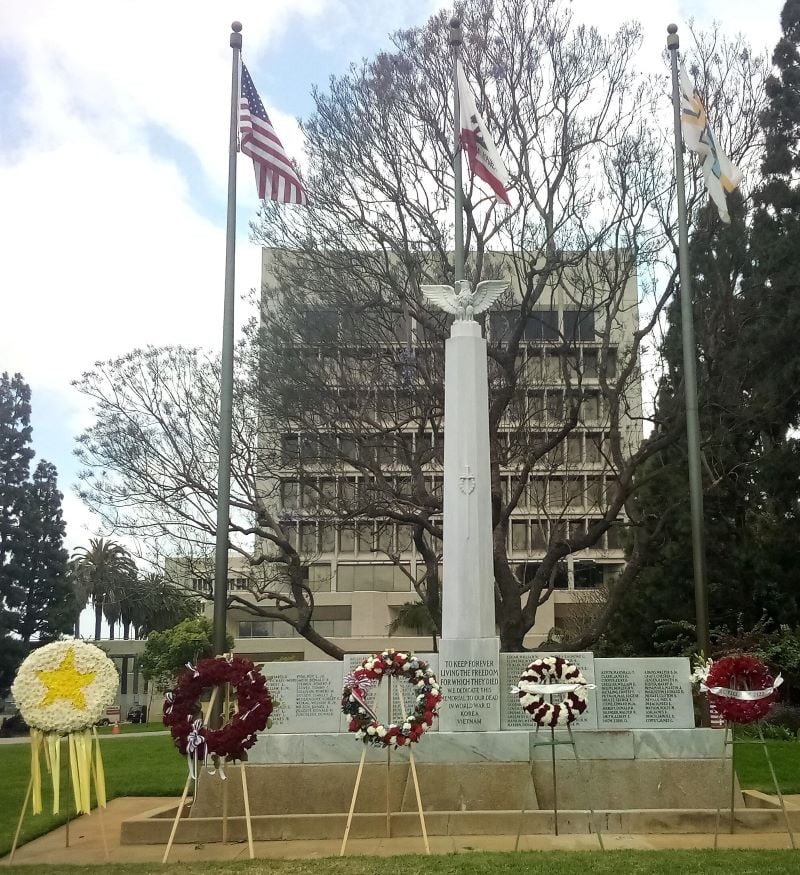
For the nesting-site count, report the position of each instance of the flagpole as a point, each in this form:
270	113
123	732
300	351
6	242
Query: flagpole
689	369
226	376
458	257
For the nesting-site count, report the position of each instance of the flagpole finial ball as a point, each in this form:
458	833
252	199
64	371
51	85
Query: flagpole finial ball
672	28
236	26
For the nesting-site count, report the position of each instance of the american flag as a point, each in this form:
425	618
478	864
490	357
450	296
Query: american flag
276	178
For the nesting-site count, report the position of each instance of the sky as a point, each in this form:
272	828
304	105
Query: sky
113	167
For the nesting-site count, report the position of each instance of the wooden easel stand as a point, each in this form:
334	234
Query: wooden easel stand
413	768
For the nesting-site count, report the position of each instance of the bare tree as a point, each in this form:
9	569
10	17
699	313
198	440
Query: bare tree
338	429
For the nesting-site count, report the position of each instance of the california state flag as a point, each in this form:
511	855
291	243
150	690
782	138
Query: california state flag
484	159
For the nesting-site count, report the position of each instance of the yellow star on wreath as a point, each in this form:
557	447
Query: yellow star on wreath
66	682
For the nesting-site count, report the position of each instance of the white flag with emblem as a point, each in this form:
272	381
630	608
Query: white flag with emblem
484	159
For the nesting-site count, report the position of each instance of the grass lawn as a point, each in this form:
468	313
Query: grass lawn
482	863
134	767
753	771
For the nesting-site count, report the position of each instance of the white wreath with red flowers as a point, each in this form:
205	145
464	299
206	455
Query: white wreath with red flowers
404	666
547	677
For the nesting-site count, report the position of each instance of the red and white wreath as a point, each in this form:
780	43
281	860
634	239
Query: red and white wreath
363	720
546	677
741	688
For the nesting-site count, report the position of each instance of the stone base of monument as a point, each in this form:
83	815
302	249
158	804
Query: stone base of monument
637	781
153	827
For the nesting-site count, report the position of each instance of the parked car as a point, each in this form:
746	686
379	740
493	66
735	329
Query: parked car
137	714
14	725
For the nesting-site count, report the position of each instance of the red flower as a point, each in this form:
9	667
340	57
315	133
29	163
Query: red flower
740	673
252	697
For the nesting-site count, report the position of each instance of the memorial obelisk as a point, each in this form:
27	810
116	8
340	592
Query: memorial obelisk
469	649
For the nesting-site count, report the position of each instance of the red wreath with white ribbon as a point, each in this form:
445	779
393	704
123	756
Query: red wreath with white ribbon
741	688
184	716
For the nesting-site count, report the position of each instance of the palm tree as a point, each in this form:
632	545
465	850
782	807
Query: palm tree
105	570
416	616
154	604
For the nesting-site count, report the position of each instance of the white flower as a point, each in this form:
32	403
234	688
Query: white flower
360	734
371	730
701	669
65	686
381	731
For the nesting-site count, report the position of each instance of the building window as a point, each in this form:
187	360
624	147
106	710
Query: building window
290	448
332	621
347	539
327	537
501	325
588	575
538	534
289	495
373	577
611	363
201	584
541	325
578	325
519	536
590	364
574	491
594	449
320	326
317	576
308	538
574	449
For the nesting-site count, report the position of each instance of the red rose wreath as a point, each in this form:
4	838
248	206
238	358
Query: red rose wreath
184	717
370	673
741	688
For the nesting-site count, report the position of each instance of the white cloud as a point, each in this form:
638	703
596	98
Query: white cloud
111	243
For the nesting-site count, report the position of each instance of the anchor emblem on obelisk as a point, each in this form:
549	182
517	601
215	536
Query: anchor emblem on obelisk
466	482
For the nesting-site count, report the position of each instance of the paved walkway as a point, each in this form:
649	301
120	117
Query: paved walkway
95	839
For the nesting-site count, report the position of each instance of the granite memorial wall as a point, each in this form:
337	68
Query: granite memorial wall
630	693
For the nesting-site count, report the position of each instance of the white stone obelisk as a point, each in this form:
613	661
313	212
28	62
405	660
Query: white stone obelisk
468	590
469	652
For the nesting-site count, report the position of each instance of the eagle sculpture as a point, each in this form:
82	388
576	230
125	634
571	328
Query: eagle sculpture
464	303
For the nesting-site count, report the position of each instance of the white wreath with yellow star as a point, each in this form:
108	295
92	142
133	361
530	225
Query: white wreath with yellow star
65	686
62	689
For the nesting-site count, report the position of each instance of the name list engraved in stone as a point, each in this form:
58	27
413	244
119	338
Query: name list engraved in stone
307	696
644	693
620	697
662	690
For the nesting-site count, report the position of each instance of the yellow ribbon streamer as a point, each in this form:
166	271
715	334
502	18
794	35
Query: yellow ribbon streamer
36	771
99	772
54	765
85	763
73	771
